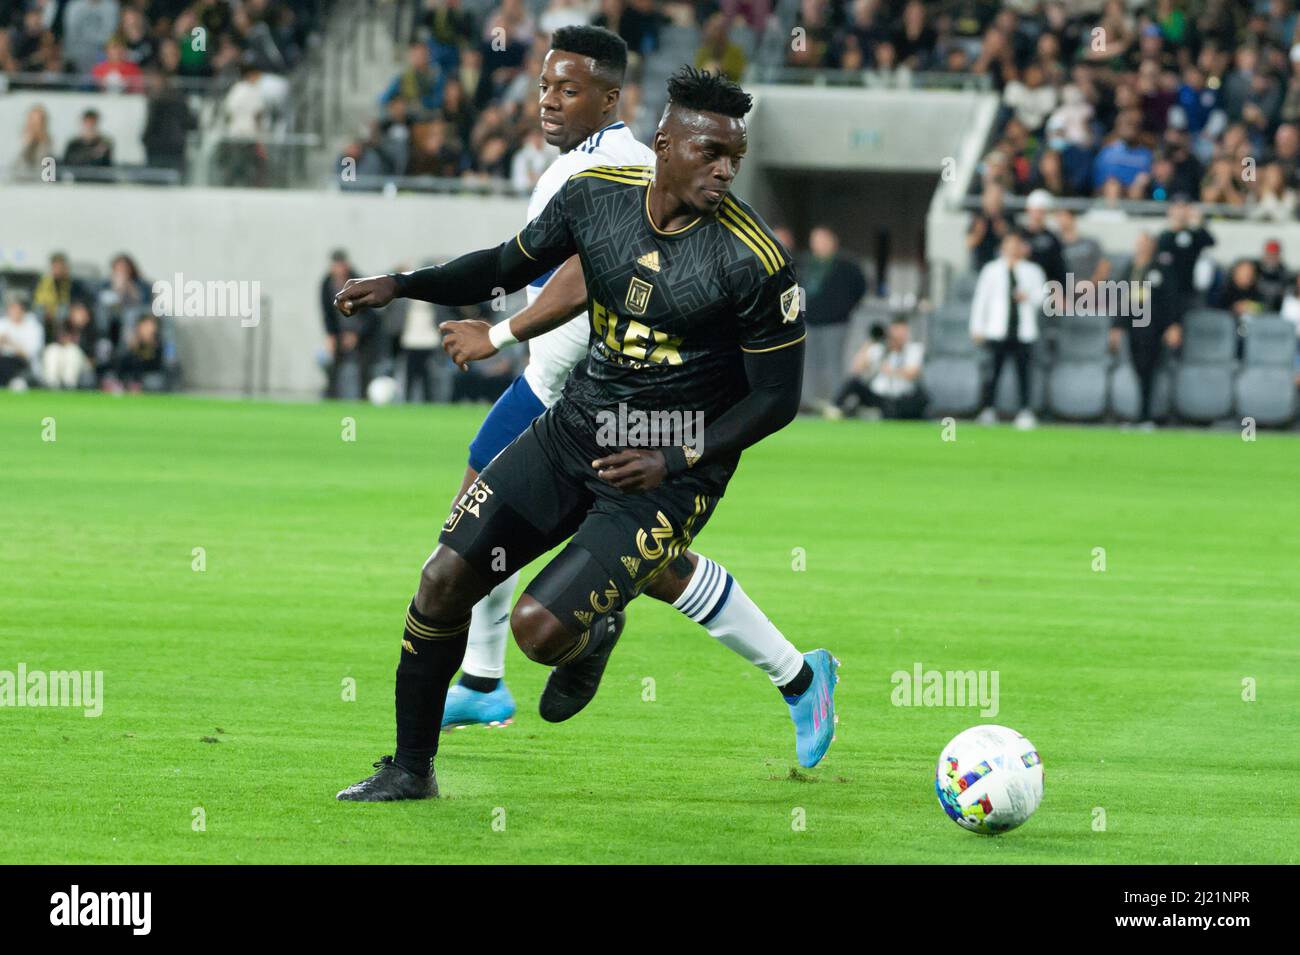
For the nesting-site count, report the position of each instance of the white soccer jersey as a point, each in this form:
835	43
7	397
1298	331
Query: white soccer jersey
553	355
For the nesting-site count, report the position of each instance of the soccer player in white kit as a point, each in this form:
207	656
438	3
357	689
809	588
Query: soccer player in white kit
579	89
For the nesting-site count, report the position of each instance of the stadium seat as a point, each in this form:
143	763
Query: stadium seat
1203	382
1076	386
963	287
1125	402
1265	389
951	375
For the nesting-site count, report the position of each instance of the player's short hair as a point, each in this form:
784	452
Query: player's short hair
607	49
707	92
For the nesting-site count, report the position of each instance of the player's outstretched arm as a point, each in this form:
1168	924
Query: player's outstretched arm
563	297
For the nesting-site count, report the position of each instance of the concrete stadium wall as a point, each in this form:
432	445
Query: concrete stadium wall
280	239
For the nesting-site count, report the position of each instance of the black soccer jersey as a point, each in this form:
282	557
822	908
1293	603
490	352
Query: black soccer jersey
671	313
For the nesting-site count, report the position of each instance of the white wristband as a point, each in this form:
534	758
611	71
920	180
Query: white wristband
499	335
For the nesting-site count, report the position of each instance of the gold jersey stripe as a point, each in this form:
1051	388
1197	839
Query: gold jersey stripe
612	178
425	632
756	351
770	256
741	234
765	240
627	170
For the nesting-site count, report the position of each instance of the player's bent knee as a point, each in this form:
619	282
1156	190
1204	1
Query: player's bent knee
538	633
448	585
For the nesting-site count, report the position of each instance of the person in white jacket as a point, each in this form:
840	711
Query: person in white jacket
1004	319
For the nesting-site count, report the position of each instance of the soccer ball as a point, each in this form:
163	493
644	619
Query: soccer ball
382	390
989	779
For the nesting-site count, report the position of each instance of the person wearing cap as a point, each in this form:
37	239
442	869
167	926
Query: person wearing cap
1272	276
1044	247
1004	319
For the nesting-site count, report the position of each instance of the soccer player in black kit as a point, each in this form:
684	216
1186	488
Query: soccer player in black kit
694	307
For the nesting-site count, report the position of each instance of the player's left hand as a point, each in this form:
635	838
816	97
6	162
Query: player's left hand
637	469
467	341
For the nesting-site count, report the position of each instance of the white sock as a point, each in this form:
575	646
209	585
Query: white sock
715	601
489	629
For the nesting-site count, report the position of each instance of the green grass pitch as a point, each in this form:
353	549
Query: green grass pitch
224	688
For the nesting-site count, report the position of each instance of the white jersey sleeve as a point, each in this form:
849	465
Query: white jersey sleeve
553	355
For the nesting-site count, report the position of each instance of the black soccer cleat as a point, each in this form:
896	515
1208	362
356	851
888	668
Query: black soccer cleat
571	687
390	784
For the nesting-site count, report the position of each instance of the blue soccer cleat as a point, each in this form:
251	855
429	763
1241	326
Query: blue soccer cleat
813	711
466	707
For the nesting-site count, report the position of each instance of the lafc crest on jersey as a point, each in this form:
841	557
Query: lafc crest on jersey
791	300
638	296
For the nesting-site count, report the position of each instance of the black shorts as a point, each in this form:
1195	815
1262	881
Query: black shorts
542	490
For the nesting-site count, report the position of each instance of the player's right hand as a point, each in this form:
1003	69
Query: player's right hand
374	292
467	341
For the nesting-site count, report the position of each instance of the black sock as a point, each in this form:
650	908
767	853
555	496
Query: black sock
802	680
432	651
479	684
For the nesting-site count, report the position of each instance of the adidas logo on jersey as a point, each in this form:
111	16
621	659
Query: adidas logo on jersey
650	260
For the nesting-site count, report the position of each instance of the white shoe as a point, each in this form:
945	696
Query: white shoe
1025	420
832	413
987	416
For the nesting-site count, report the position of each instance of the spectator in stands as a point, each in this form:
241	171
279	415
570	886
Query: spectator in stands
717	52
116	73
1044	247
1125	157
1083	255
349	339
168	122
1146	341
1222	185
988	227
1275	201
123	298
63	363
885	375
140	47
914	39
419	86
811	48
1031	97
632	111
21	341
451	31
241	156
563	13
1242	295
1073	118
141	365
1187	171
436	151
87	26
1272	276
34	160
55	292
1178	248
1004	320
529	162
638	22
834	285
31	41
457	110
90	147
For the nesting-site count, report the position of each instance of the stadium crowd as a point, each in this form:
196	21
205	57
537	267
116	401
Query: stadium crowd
462	106
65	332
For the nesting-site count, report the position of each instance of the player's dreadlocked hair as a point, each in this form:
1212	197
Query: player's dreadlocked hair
707	92
609	50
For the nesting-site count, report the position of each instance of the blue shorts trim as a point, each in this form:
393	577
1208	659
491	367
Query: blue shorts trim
509	417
